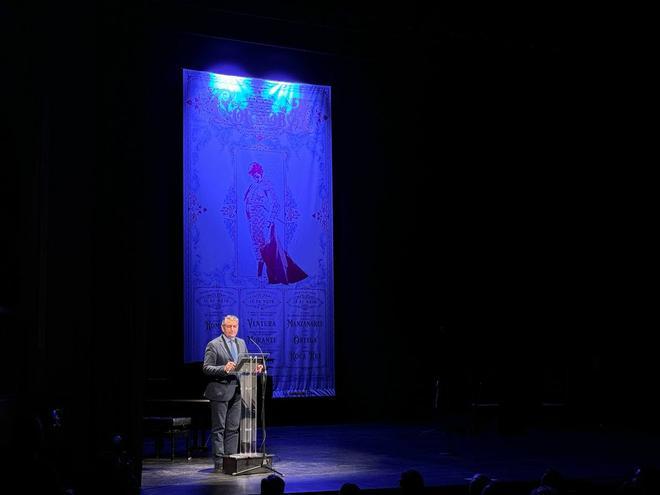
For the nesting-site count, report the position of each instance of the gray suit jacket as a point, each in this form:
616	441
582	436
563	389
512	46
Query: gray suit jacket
223	385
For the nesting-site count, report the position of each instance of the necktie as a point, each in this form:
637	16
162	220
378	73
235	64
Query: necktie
232	348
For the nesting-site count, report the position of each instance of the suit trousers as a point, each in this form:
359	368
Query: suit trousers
225	422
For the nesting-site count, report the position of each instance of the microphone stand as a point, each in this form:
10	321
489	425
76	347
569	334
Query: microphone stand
264	458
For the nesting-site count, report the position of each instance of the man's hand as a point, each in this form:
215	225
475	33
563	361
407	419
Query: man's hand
230	366
260	368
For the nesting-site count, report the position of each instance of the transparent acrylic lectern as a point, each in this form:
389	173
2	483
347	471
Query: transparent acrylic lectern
249	459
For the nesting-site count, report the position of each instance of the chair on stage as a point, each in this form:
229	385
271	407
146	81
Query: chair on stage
160	427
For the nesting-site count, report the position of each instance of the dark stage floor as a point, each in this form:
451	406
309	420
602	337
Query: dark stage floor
321	458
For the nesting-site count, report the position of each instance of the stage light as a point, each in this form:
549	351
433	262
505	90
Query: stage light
232	92
285	96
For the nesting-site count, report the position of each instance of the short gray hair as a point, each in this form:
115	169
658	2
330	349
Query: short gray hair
229	317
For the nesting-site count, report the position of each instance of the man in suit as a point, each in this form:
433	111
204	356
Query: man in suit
224	390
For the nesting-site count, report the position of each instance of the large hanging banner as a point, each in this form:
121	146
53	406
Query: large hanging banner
257	168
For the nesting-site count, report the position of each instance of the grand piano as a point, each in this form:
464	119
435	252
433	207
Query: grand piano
174	405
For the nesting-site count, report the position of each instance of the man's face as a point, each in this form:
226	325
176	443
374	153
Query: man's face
230	328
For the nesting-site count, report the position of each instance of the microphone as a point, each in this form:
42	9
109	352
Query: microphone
260	350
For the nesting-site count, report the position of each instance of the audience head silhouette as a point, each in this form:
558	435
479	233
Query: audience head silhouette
645	480
272	485
411	482
494	488
553	479
349	489
477	483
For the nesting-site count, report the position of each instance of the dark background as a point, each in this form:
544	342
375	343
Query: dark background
493	209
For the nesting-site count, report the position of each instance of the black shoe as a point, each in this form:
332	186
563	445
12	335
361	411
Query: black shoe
217	466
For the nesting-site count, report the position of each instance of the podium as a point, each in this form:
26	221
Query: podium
249	459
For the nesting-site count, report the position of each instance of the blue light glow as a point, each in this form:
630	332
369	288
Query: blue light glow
285	96
232	92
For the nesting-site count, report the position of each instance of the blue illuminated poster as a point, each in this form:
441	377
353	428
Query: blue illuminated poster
257	168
